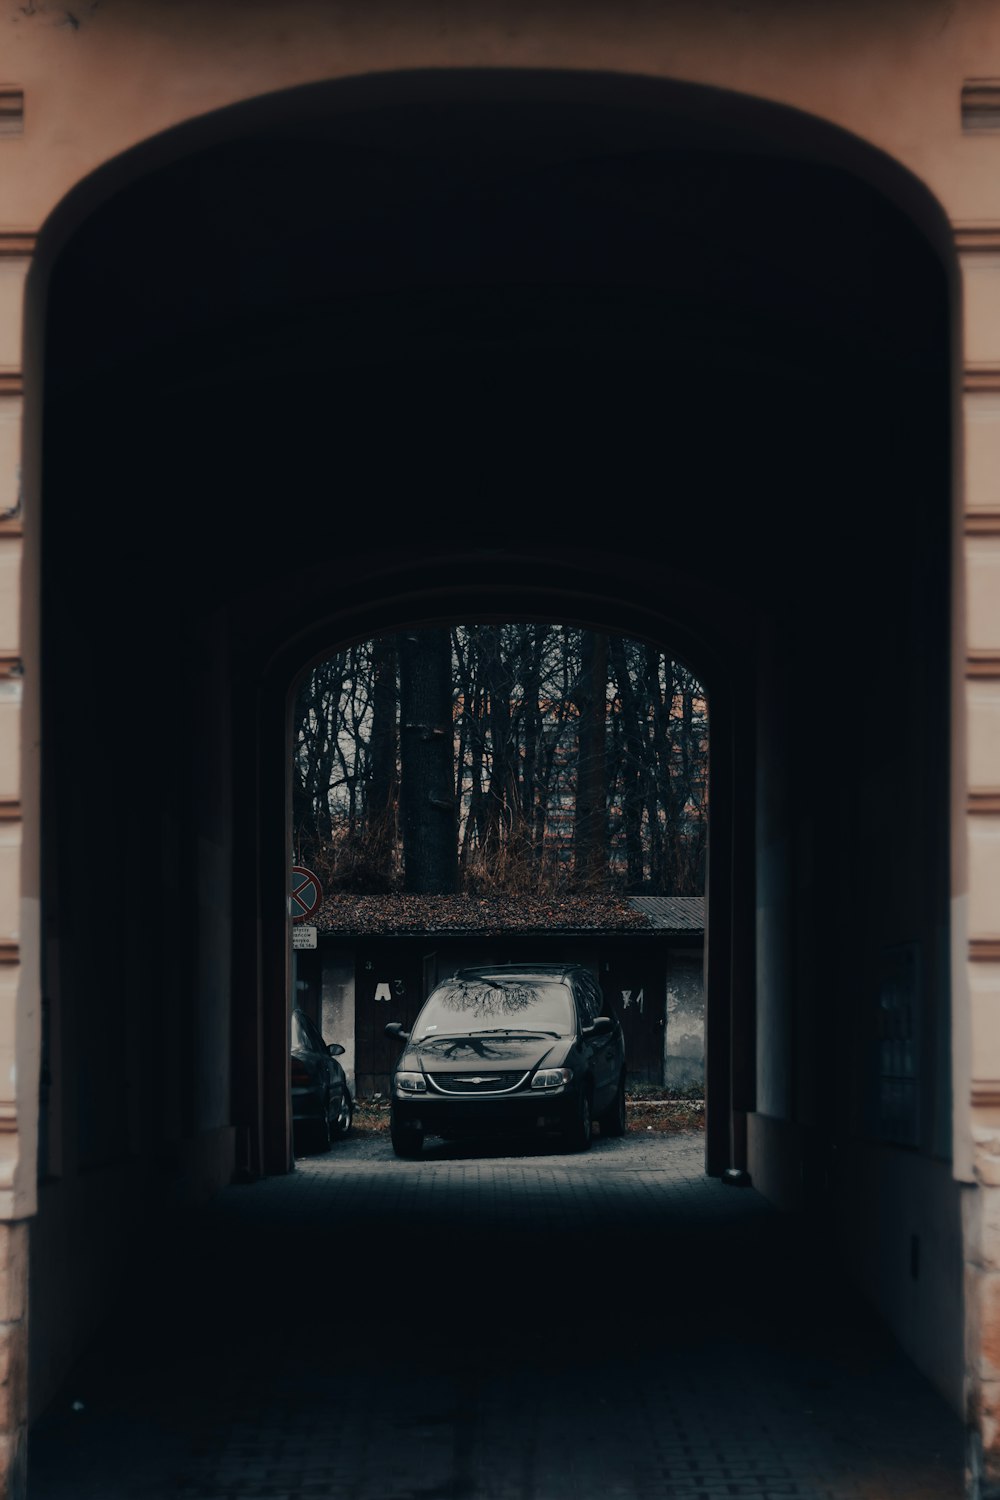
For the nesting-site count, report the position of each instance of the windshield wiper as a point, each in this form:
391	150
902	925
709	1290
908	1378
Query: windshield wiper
514	1031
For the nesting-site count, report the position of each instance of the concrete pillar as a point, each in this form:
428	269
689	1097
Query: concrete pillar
977	910
337	1002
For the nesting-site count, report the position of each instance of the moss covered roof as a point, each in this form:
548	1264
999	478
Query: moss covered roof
401	913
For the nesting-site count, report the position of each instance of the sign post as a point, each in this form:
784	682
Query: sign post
305	897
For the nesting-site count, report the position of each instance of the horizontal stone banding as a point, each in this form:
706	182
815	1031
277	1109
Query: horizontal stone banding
980	104
984	236
11	109
981	378
17	244
983	664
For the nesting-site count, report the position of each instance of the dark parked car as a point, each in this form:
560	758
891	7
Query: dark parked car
322	1107
517	1047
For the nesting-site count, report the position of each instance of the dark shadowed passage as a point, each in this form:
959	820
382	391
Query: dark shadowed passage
480	1326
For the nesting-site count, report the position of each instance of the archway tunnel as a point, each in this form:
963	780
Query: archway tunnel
501	346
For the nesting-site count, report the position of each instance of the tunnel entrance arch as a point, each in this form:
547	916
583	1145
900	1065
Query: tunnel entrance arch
556	595
513	338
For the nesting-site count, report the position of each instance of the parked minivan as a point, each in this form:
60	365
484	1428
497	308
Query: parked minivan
511	1048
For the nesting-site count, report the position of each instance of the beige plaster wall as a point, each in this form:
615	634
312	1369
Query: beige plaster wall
890	71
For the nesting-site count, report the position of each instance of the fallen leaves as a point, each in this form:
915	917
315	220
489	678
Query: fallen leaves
486	916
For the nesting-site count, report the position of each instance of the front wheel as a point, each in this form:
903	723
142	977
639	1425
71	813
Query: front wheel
613	1121
406	1141
580	1133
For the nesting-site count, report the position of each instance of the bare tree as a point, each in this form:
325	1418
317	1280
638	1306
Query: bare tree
630	762
531	755
317	714
427	780
382	788
590	840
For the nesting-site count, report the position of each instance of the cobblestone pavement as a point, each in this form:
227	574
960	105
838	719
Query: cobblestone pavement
481	1326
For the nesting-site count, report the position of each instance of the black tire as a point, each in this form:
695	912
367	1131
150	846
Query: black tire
406	1141
312	1138
324	1135
344	1121
580	1133
614	1121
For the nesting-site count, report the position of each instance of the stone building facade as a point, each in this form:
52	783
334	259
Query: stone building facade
320	320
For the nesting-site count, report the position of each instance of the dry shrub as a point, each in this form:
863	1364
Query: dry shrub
512	868
364	860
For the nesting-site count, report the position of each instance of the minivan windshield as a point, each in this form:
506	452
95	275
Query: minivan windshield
482	1004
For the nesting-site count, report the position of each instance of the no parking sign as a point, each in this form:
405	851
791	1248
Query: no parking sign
305	894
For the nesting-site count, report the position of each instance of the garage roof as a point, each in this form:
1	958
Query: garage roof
672	913
400	913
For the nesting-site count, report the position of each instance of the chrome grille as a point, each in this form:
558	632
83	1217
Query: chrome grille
476	1083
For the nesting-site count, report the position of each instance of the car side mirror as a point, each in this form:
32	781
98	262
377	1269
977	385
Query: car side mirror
335	1049
395	1028
601	1025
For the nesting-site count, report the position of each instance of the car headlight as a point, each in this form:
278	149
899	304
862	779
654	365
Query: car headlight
411	1083
551	1078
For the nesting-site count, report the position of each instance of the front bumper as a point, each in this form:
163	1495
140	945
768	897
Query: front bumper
521	1113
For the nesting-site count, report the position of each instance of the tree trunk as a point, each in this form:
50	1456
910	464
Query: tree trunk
502	801
383	780
632	765
590	848
427	801
531	735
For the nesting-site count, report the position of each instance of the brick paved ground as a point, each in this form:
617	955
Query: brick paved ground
479	1326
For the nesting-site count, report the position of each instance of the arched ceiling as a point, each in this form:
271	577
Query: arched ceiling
421	327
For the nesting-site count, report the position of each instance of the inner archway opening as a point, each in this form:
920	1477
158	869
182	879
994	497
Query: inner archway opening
498	794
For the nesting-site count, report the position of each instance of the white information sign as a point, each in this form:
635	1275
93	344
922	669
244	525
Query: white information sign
303	936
